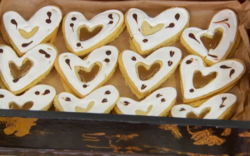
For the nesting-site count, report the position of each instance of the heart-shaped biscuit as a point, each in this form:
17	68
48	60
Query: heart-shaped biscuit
218	107
102	100
37	63
169	24
68	66
39	97
225	24
158	103
167	57
111	21
25	35
228	72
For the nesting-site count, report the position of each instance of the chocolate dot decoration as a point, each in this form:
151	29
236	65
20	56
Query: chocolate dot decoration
170	63
104	100
107	92
107	60
49	15
126	103
73	18
84	86
145	40
46	92
163	100
177	16
224	67
71	24
110	16
191	90
231	73
224	98
37	92
158	95
1	96
108	52
143	86
182	109
1	50
189	61
171	53
110	22
221	106
78	44
67	99
133	58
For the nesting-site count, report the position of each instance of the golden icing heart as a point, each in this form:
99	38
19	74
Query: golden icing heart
87	75
147	29
25	106
80	109
146	72
211	42
26	34
200	81
84	33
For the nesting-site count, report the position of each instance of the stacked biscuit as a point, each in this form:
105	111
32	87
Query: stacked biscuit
150	61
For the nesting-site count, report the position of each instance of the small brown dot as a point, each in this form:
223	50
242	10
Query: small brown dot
126	103
133	58
73	18
107	92
84	86
111	22
182	109
143	86
170	63
67	99
145	40
37	92
171	53
104	100
1	96
158	95
221	106
78	44
1	50
189	61
110	16
108	52
191	90
107	60
46	92
71	24
163	100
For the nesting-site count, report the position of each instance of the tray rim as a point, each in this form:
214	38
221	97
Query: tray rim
43	115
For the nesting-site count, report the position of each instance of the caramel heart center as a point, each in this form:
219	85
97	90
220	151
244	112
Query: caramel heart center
146	72
84	33
26	106
201	81
139	112
87	75
19	72
79	109
28	35
211	42
147	29
203	113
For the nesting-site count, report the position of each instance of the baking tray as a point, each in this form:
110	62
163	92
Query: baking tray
58	133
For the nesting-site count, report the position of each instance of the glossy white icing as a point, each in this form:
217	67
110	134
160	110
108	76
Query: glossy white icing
110	21
47	19
42	57
228	71
105	56
169	58
224	20
217	105
40	95
174	20
103	98
160	100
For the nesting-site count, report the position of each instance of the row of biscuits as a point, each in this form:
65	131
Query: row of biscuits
68	65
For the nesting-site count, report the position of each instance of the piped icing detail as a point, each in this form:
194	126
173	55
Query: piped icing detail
47	19
228	72
225	21
169	58
103	98
174	20
105	56
218	105
110	21
159	100
42	57
40	95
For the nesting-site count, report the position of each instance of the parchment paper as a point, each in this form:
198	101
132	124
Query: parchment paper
200	14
